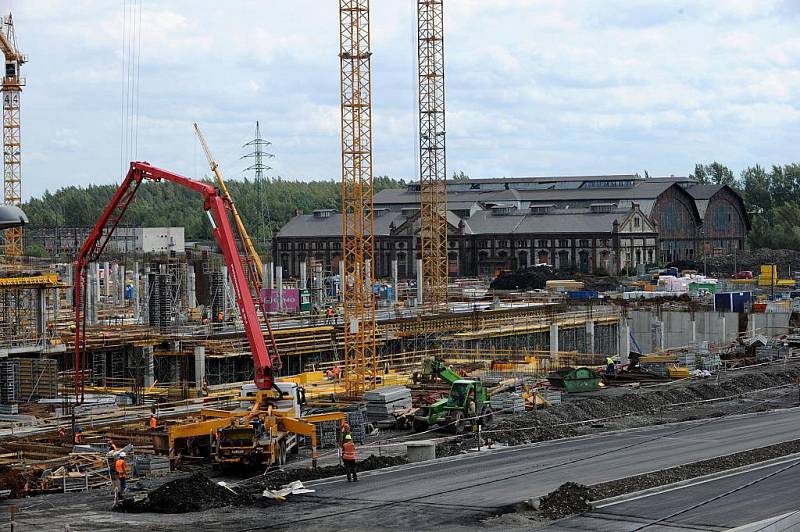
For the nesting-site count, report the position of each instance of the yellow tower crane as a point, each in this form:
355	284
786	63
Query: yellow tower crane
12	147
245	236
432	167
358	221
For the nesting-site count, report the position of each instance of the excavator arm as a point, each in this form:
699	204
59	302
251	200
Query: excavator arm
217	208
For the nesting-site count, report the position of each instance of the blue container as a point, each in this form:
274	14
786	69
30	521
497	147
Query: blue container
731	301
582	294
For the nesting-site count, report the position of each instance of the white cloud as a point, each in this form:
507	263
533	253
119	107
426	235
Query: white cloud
533	86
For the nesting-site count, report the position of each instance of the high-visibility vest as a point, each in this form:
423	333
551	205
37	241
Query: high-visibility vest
78	438
609	361
348	451
153	422
119	468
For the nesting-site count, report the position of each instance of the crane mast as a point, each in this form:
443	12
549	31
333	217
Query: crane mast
357	196
432	167
245	236
12	146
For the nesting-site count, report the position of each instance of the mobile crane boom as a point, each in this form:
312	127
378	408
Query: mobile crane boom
216	207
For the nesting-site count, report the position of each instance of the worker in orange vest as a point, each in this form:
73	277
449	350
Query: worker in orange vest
121	471
62	434
349	458
78	436
153	422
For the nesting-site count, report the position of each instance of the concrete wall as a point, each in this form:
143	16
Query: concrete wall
709	326
160	239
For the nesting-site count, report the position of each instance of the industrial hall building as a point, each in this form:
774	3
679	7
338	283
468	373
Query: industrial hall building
609	223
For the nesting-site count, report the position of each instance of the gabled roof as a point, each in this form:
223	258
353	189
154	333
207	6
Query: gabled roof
309	226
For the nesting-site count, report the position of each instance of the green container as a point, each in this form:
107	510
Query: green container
305	301
694	288
575	379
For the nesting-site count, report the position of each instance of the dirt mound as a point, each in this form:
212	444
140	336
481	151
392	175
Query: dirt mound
570	498
279	478
189	494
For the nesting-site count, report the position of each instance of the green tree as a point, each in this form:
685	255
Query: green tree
460	176
716	173
756	188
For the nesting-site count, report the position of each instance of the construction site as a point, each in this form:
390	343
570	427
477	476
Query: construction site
217	385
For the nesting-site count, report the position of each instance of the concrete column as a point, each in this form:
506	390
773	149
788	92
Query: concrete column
191	292
590	336
694	331
553	342
136	303
106	281
752	322
68	280
419	282
145	299
224	271
91	294
270	276
41	314
722	326
199	368
121	286
303	279
624	343
96	282
279	286
149	371
395	287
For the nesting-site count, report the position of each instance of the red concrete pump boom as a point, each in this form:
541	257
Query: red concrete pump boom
216	207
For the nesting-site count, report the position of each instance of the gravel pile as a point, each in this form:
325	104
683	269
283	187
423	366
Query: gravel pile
570	498
189	494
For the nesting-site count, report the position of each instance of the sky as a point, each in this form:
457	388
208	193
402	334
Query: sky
569	87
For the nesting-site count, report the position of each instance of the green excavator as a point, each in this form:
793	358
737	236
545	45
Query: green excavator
466	400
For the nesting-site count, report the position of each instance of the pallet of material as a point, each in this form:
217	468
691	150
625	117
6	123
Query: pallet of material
149	465
382	402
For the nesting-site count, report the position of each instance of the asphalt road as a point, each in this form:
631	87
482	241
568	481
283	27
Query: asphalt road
775	495
451	493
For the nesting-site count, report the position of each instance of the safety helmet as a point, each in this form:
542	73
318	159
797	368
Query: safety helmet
122	454
348	438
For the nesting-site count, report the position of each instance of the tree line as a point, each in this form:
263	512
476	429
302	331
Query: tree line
771	196
264	205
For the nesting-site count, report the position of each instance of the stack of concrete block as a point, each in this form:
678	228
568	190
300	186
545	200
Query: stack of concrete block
150	465
328	434
382	402
507	403
356	419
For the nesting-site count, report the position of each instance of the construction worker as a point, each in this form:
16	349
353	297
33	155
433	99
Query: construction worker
78	438
349	458
121	471
111	445
62	434
329	313
609	365
153	423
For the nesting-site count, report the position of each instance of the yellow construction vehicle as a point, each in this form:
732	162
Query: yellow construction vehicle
260	435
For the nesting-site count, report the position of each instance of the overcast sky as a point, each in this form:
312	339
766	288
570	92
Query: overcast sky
533	87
